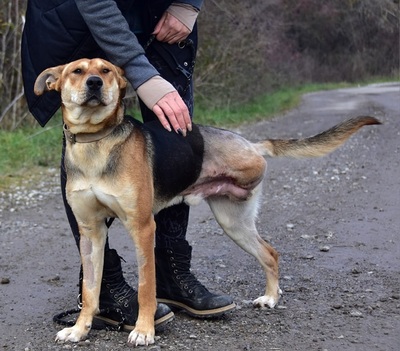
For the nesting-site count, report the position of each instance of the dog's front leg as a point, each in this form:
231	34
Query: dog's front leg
92	257
143	232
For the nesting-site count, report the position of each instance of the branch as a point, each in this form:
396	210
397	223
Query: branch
11	104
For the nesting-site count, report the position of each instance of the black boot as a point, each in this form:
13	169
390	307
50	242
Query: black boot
179	288
119	301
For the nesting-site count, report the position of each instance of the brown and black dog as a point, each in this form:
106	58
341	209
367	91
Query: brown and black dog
118	167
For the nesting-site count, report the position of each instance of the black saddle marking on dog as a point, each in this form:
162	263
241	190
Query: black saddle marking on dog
177	160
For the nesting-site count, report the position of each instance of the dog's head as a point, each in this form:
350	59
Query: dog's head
91	92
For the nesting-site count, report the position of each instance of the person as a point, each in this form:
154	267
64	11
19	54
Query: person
155	43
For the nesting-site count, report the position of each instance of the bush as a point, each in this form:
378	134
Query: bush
250	48
344	40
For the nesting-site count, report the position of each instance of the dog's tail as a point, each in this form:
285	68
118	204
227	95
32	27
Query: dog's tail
318	145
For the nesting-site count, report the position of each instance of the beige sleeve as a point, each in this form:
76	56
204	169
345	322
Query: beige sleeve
185	13
151	91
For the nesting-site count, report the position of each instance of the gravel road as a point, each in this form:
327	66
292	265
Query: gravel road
334	220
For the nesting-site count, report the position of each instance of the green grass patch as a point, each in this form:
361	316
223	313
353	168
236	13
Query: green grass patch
25	150
263	107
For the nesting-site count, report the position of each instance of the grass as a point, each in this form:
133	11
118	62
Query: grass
263	107
24	151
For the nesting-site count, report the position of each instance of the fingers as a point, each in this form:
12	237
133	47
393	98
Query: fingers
173	112
170	30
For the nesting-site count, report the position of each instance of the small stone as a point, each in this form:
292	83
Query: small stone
307	257
329	235
324	248
355	313
289	226
54	279
5	281
305	236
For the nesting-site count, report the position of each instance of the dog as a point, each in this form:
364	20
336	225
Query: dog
119	167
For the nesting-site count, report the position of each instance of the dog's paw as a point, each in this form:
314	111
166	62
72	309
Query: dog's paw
139	338
267	300
73	334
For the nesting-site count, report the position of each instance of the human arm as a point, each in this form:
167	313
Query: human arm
174	26
111	32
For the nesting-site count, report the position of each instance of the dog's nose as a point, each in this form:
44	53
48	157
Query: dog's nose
94	83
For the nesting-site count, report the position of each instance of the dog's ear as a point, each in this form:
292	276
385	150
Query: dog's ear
122	82
47	80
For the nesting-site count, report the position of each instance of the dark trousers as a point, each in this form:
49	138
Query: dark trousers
171	223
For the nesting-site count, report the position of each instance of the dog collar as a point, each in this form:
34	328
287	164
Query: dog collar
86	137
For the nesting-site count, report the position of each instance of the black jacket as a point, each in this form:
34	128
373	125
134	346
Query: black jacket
55	33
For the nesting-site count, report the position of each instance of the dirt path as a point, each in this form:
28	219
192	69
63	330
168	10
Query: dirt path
335	222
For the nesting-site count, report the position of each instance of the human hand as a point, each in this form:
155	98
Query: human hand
170	30
172	111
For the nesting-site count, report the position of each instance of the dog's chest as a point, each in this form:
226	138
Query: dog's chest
87	161
90	179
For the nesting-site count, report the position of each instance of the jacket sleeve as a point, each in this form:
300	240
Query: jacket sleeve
111	32
195	3
187	14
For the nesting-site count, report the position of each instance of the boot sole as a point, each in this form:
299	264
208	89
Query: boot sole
215	312
100	322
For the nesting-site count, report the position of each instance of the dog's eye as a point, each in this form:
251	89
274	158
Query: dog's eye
77	71
106	70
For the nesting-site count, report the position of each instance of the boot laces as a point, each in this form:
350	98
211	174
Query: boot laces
180	264
119	289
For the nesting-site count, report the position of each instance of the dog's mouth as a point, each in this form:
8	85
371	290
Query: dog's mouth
93	99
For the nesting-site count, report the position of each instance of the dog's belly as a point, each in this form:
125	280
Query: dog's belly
201	191
215	187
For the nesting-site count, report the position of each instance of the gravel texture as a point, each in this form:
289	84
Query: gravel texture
334	220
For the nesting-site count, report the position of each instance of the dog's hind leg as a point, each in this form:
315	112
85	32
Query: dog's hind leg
237	219
92	242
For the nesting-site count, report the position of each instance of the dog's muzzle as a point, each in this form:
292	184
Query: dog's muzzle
94	83
93	89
